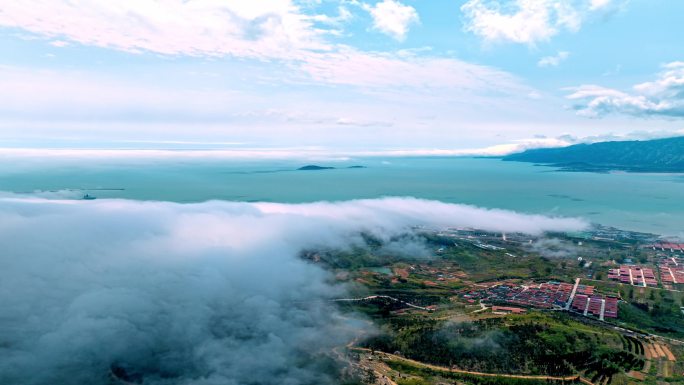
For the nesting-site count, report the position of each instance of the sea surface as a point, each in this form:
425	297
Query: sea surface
640	202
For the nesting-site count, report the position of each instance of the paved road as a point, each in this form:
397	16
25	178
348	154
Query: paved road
572	294
381	296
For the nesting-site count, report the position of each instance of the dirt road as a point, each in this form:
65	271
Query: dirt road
452	370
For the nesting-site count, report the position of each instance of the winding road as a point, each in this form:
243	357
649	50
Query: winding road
452	370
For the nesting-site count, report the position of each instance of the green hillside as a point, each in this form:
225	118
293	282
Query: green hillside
659	155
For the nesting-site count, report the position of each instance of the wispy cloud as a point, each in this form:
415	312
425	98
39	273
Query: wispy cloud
601	4
553	61
292	74
407	70
343	89
77	95
264	29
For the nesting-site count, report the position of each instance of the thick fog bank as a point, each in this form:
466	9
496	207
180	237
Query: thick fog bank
210	293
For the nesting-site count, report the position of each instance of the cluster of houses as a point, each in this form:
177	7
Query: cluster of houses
548	295
634	275
667	246
543	296
671	270
597	305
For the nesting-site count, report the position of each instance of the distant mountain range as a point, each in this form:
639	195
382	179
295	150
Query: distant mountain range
659	155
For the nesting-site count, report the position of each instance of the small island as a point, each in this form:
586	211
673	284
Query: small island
313	167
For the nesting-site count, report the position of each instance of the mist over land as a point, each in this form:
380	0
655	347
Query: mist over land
208	293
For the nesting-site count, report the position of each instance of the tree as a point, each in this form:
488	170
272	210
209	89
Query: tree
370	377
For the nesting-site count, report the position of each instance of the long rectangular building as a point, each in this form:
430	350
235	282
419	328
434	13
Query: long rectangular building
611	310
634	275
671	270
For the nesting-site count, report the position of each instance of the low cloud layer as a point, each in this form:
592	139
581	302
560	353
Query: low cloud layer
209	293
554	248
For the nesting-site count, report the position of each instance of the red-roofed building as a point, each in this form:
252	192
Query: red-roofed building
507	310
611	310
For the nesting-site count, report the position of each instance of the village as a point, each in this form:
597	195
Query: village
623	288
549	295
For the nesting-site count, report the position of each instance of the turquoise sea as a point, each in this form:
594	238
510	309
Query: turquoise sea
640	202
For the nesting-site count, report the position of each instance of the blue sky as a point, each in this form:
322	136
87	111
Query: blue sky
437	76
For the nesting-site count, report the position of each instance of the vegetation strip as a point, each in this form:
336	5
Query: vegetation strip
473	373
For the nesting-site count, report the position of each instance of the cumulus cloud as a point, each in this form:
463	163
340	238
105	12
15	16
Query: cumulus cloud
393	18
528	21
520	21
553	61
209	293
663	97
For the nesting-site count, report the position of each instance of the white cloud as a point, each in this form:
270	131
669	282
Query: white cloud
553	61
598	4
263	29
275	29
209	293
521	145
244	152
527	21
59	43
68	156
103	103
343	15
393	18
407	70
78	97
521	21
74	95
663	97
